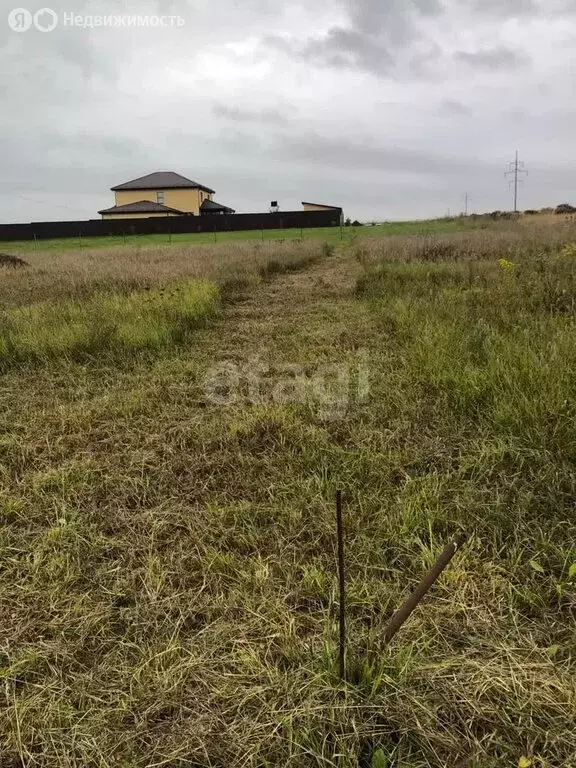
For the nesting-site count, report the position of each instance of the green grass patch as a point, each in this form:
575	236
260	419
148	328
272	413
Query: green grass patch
105	322
331	234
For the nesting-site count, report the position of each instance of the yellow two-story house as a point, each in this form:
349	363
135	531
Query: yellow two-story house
164	193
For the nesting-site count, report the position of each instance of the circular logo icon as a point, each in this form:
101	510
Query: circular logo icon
20	20
46	20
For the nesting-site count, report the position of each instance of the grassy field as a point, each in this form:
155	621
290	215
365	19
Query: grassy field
167	577
62	305
329	234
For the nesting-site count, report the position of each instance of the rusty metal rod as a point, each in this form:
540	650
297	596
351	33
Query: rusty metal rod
342	586
427	582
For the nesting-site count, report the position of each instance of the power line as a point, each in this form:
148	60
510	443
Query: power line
516	168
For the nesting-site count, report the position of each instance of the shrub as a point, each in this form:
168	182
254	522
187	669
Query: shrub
7	260
565	208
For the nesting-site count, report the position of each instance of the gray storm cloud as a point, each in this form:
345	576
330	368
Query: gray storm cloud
391	109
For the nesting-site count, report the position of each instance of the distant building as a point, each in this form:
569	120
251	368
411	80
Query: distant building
320	207
163	194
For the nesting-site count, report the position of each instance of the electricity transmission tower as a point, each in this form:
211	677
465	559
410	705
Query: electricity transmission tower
516	169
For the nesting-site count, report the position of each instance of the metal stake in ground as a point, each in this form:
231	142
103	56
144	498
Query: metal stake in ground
428	581
342	585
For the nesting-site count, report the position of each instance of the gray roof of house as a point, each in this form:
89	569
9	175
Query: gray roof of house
162	180
142	206
212	205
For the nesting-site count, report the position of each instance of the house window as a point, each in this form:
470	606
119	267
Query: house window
160	197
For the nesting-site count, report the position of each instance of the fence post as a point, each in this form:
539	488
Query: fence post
341	589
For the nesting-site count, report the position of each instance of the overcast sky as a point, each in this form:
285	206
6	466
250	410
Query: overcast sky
390	108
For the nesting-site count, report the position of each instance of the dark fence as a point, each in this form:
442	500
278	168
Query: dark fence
47	230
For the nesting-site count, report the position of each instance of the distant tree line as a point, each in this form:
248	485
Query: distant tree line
564	208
